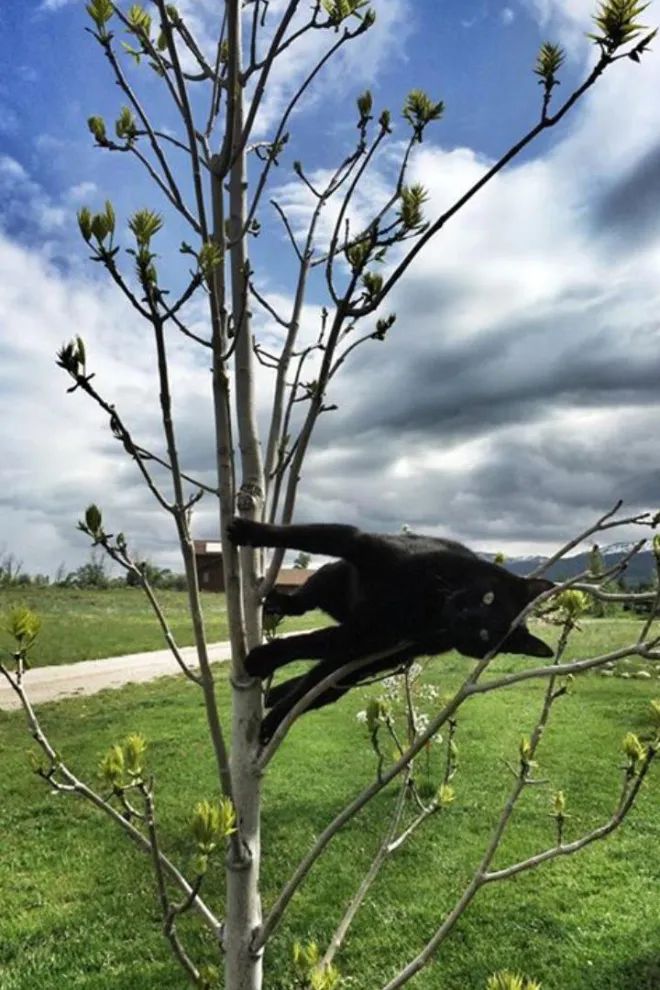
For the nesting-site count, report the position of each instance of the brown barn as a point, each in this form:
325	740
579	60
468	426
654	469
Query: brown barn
208	559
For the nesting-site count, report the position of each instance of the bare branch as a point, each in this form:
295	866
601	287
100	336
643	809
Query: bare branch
73	784
169	916
384	849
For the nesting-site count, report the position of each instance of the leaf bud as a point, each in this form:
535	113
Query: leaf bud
97	127
85	223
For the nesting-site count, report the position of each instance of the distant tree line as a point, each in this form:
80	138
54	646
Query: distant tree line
94	573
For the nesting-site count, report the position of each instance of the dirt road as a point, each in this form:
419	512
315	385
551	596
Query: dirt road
90	676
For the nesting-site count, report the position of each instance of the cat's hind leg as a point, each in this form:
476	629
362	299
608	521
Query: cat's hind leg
263	660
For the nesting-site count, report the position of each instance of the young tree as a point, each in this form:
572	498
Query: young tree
201	172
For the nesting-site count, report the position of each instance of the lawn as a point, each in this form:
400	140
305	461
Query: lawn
78	908
83	624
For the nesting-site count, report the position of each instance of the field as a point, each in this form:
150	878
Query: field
78	904
87	624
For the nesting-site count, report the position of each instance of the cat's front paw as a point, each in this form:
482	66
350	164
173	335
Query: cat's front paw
243	532
258	662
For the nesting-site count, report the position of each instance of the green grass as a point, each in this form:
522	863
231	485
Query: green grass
79	911
87	624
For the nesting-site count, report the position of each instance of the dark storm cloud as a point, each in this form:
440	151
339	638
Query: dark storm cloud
632	205
514	374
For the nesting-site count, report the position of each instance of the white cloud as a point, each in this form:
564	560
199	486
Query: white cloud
508	406
507	16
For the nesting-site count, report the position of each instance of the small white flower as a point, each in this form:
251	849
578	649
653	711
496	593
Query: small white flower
362	717
422	721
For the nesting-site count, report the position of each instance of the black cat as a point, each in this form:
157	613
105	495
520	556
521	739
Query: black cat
414	595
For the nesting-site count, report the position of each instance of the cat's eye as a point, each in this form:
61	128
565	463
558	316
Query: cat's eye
483	634
488	598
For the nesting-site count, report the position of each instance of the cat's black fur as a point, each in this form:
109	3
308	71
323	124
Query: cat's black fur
412	595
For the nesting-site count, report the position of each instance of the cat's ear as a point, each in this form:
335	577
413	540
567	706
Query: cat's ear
522	642
537	586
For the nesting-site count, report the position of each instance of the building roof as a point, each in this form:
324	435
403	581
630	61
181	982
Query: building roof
293	577
289	577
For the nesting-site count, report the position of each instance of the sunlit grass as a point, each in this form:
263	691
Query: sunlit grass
79	911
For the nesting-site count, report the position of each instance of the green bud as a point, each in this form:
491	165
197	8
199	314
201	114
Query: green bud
139	20
548	62
85	223
505	980
135	747
385	121
376	711
100	226
112	766
97	127
209	257
209	977
656	546
633	747
144	224
364	104
446	795
372	282
23	625
559	803
125	125
212	822
573	603
616	23
357	254
410	210
200	864
655	711
93	519
419	111
173	13
100	11
305	957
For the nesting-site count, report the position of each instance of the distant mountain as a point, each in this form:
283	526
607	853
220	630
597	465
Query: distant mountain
640	569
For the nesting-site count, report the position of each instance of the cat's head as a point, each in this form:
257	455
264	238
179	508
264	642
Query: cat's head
479	614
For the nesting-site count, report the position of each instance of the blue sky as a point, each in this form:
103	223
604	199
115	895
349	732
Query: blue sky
515	400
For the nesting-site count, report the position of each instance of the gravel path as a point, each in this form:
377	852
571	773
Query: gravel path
90	676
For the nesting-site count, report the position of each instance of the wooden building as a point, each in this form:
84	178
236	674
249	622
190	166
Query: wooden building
210	575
